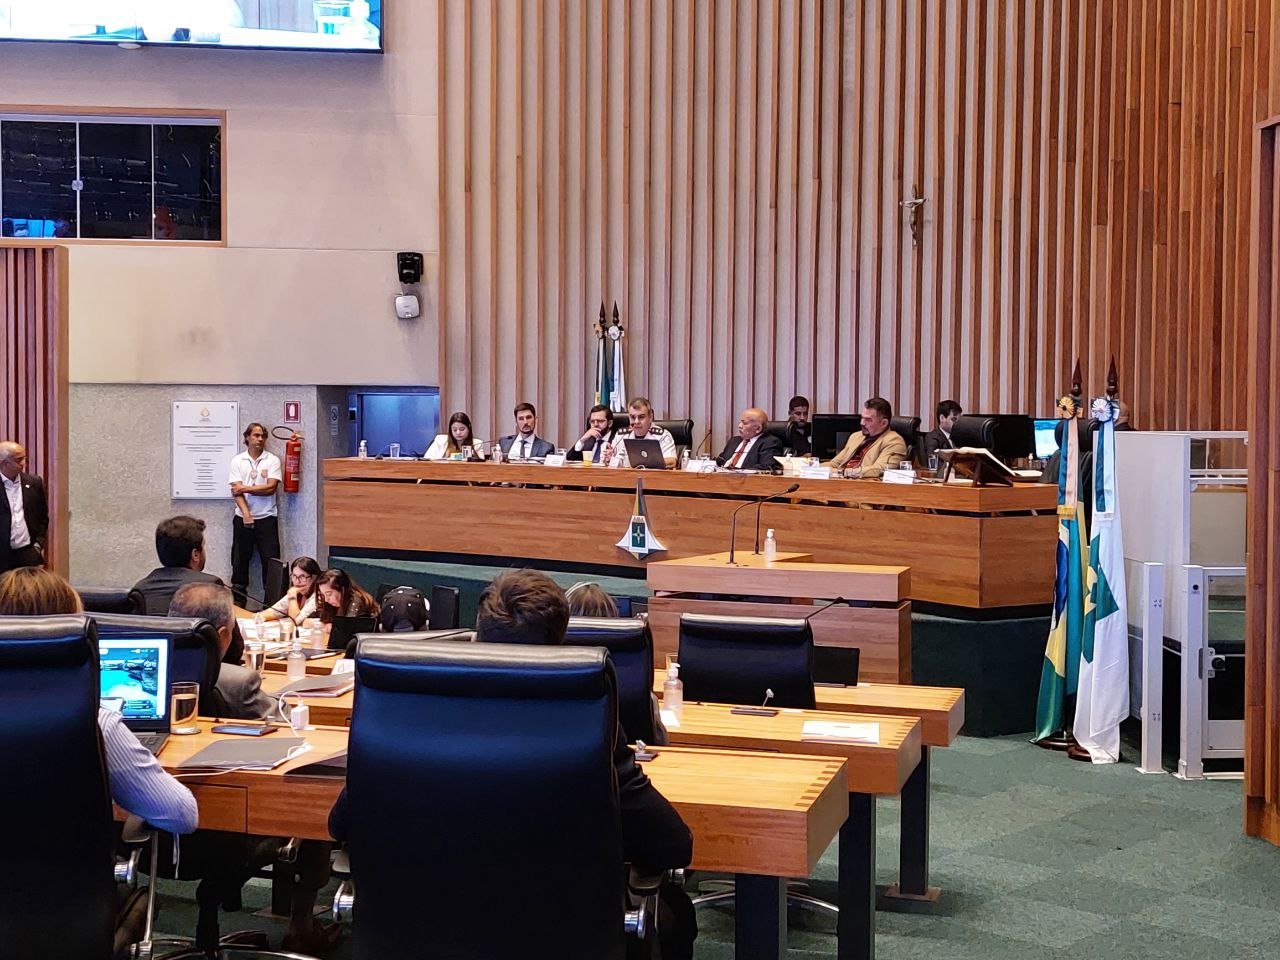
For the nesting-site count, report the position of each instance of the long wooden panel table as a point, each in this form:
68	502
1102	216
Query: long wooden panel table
764	817
967	546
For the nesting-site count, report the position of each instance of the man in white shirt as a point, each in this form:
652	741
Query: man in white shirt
640	413
752	448
24	511
255	476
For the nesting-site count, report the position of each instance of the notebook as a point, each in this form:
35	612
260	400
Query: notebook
325	685
244	753
344	630
135	672
645	454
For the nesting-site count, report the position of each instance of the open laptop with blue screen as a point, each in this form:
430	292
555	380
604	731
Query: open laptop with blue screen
1046	440
135	673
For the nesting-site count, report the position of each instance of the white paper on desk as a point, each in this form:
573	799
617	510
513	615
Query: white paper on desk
345	665
815	473
899	476
833	731
669	719
270	632
554	460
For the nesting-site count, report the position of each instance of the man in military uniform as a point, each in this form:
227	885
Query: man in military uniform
640	413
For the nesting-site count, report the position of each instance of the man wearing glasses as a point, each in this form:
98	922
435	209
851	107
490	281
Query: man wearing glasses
24	511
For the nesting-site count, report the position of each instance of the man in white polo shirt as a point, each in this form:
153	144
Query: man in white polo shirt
255	475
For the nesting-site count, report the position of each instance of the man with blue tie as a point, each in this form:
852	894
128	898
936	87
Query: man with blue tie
525	444
600	433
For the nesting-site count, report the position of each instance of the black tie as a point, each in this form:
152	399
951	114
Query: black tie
524	449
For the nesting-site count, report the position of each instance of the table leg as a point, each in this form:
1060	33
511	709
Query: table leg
913	871
760	918
856	927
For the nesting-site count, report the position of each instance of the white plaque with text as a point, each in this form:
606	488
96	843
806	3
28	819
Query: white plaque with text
206	435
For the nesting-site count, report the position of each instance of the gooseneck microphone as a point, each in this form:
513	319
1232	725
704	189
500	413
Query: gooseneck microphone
759	506
733	530
698	449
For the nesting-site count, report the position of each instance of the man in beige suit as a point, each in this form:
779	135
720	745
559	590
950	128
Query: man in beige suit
868	453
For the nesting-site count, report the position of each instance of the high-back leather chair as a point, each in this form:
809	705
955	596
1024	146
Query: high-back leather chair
681	431
195	649
457	636
57	887
444	613
630	645
736	659
112	600
516	778
908	428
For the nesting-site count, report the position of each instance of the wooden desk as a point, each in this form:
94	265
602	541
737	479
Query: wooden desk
967	546
761	816
710	584
319	667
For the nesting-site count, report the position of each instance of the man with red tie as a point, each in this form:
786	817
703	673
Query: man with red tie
752	448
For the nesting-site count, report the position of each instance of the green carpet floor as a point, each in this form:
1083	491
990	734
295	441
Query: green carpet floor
1038	857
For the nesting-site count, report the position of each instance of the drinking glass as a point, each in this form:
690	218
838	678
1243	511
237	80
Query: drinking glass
393	451
933	462
184	704
255	655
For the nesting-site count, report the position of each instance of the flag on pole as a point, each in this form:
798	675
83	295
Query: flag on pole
1060	671
1102	697
604	383
618	397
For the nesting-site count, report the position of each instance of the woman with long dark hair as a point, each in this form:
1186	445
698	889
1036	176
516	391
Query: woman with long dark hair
299	601
457	443
340	596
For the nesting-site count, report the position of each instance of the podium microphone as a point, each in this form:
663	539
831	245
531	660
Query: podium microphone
733	530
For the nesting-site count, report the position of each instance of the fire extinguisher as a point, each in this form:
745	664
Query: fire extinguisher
292	461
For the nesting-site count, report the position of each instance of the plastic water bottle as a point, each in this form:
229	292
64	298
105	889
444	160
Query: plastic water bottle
296	663
363	452
497	454
684	459
770	547
673	691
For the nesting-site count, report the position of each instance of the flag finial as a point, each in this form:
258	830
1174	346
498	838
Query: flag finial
1077	388
1112	388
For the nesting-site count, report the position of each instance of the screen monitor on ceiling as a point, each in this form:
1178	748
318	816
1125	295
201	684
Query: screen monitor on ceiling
338	25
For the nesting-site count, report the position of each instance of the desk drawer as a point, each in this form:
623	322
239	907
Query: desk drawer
222	807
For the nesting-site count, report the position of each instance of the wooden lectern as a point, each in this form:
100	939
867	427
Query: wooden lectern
788	587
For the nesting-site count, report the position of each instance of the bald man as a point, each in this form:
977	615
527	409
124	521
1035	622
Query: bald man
24	511
752	448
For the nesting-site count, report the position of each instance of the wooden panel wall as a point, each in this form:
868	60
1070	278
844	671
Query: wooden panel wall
33	373
730	171
1262	611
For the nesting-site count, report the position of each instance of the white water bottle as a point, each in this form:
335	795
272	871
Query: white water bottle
296	663
770	547
363	452
673	691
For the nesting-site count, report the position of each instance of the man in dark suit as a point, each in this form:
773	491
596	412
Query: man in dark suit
752	448
600	433
525	443
24	511
238	689
939	438
180	546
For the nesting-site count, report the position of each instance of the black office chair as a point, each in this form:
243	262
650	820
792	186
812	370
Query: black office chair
517	778
457	636
58	893
444	613
737	659
112	600
681	431
630	644
971	431
195	655
908	428
792	437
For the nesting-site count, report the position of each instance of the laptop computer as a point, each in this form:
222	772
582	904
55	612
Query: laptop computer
344	630
135	672
645	454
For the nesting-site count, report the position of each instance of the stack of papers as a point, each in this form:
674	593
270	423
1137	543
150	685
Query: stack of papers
833	731
325	685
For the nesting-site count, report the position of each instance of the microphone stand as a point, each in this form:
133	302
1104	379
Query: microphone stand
733	529
760	506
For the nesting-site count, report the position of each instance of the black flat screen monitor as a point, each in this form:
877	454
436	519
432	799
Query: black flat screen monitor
1013	435
831	431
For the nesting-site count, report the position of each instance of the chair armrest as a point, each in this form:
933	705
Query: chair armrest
136	831
644	884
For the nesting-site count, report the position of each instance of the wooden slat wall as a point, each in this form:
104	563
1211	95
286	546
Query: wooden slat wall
730	171
1262	652
33	373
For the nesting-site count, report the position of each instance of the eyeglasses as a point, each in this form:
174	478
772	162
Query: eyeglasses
299	575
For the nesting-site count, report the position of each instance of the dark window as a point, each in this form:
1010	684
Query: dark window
37	176
110	179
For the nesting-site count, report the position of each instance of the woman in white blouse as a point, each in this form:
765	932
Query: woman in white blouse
299	601
458	444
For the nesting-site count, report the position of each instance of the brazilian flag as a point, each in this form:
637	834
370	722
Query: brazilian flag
1060	672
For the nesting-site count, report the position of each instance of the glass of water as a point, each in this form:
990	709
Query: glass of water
393	451
933	462
255	655
184	704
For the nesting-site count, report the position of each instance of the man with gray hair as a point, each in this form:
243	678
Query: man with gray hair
751	448
239	689
24	511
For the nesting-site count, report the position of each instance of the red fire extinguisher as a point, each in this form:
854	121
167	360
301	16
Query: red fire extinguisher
293	463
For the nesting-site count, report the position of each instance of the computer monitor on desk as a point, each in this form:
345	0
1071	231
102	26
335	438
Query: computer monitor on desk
1046	440
831	431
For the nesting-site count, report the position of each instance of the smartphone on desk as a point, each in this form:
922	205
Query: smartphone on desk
245	729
